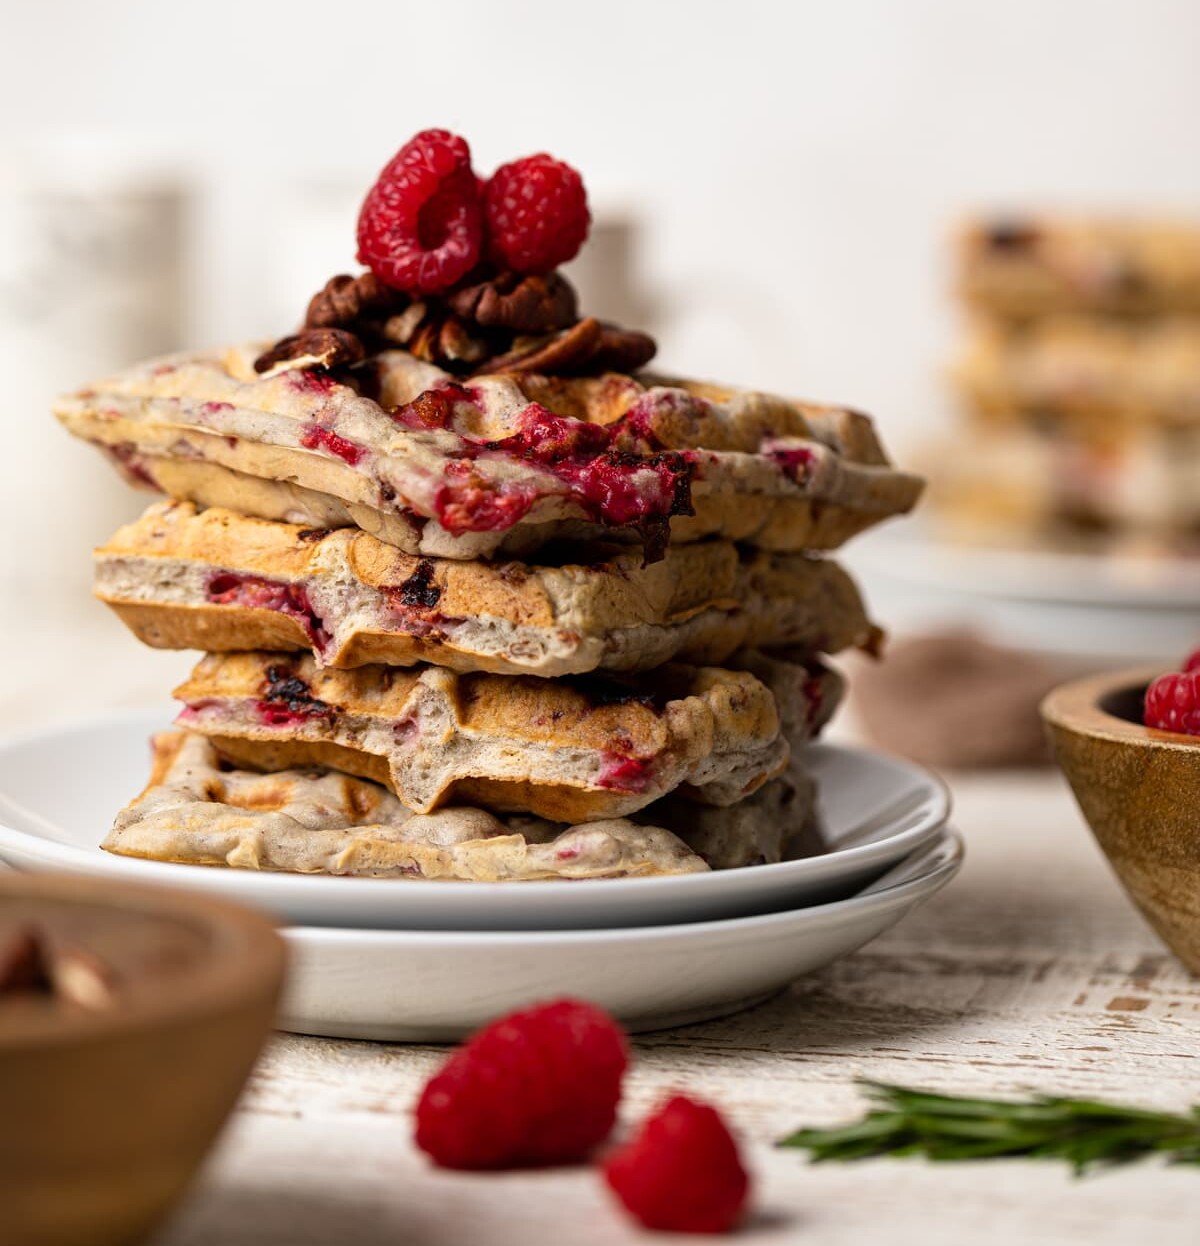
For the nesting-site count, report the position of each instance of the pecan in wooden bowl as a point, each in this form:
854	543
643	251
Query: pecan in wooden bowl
130	1018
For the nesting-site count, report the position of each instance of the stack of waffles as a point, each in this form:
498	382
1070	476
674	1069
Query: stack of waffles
1081	380
480	597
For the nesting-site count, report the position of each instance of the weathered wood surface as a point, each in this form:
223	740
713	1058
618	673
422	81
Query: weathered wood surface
1030	972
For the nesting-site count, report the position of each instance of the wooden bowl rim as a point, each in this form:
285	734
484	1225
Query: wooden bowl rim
1075	707
246	963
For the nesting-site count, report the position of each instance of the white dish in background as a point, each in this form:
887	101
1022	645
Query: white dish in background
60	788
1098	607
437	986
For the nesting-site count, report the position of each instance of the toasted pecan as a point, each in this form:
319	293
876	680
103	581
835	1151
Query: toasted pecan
317	348
588	347
343	299
24	965
529	303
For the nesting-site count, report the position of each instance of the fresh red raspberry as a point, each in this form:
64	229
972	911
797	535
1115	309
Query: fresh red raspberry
539	1086
1173	703
1192	662
536	213
682	1171
421	224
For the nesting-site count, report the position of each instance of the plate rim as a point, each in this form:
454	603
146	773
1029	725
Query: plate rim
948	852
1104	586
277	885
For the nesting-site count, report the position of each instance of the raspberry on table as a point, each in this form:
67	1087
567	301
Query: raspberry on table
421	225
540	1086
536	214
1192	661
681	1171
1173	702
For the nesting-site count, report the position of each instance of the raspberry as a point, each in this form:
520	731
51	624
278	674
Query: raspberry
539	1086
682	1171
537	214
1173	703
421	224
1192	661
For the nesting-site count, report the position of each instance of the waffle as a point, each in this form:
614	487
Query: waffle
395	447
1033	484
197	810
575	749
1095	376
1031	266
215	580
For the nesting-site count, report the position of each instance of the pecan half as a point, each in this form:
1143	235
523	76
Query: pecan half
83	979
344	298
587	348
434	335
525	304
23	965
564	350
315	348
622	350
70	974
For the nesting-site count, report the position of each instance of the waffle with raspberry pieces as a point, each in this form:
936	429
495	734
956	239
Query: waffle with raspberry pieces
188	579
500	465
198	810
579	748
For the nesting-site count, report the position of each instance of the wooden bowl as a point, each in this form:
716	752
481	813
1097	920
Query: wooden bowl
1140	792
112	1092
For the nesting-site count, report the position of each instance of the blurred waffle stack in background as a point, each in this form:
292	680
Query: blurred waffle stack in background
1080	384
1064	510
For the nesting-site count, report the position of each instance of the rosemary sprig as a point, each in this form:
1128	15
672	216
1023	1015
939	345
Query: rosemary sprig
946	1127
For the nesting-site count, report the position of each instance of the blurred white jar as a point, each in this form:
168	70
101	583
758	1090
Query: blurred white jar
92	264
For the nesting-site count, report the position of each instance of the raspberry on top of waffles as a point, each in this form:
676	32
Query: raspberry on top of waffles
462	271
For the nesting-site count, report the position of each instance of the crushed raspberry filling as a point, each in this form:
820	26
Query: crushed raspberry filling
288	700
315	437
419	591
617	487
626	774
795	461
309	381
133	464
473	504
414	603
228	588
271	714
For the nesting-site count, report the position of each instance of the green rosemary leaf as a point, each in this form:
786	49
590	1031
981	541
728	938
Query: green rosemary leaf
1081	1132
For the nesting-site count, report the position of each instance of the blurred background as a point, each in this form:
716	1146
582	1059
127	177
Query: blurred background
774	185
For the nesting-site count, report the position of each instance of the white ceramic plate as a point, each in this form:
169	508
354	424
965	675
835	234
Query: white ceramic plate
435	986
1100	607
913	551
60	789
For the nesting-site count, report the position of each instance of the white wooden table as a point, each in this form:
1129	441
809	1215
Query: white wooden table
1030	972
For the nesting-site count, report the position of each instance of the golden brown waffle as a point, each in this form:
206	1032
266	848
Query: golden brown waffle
506	464
575	749
215	580
1029	266
1095	377
1134	488
196	810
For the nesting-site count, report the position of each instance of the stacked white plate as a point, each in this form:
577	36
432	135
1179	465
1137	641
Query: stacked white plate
431	961
1117	608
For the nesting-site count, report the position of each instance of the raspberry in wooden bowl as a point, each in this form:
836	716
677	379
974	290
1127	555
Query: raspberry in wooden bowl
130	1018
1139	789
